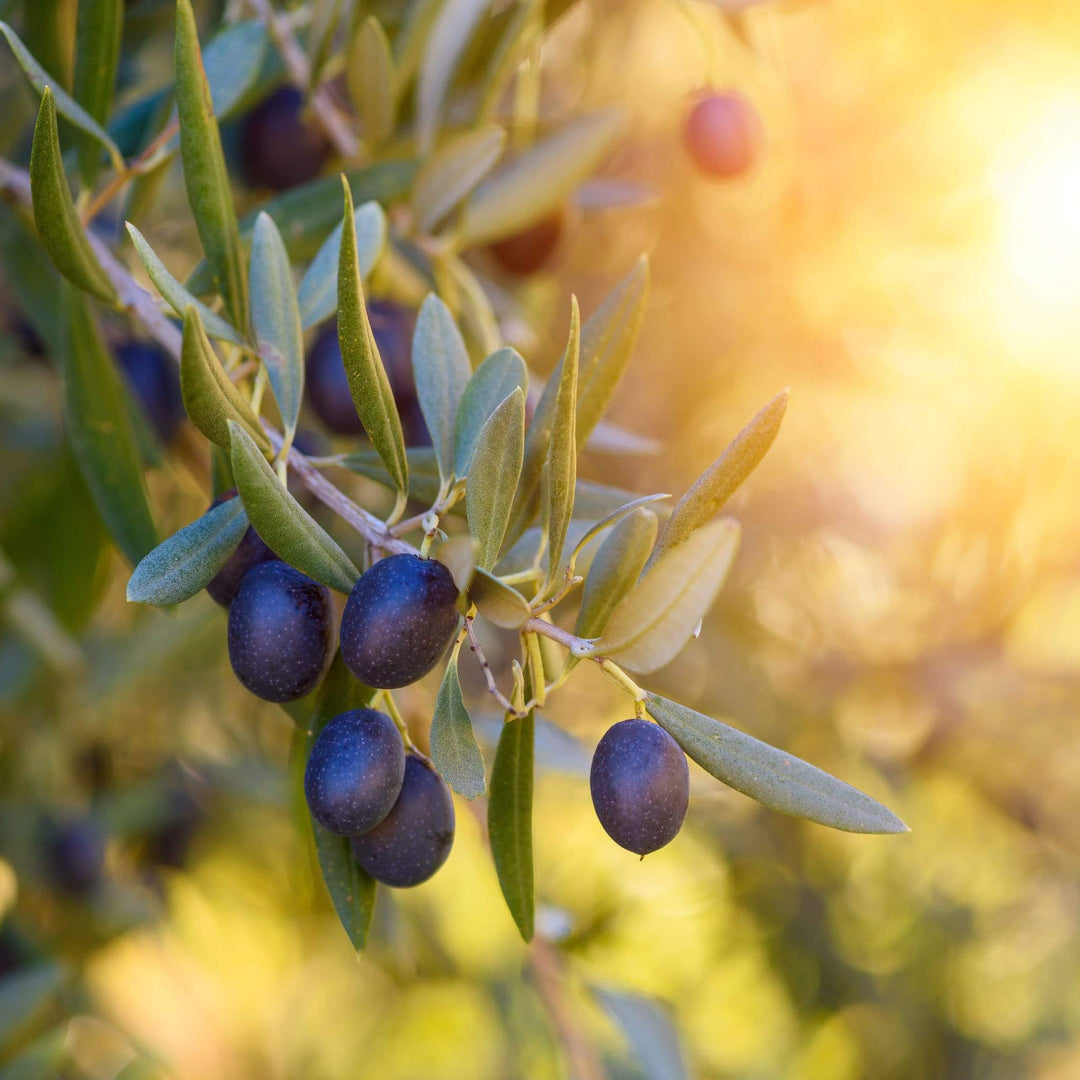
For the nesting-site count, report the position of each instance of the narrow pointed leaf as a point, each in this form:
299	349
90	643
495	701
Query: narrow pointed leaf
325	16
58	224
510	801
540	179
186	563
211	398
98	427
207	182
649	1031
502	372
175	295
720	481
652	623
275	320
771	776
372	80
611	520
317	294
561	462
476	316
286	527
454	750
493	476
499	603
451	173
441	369
65	104
98	28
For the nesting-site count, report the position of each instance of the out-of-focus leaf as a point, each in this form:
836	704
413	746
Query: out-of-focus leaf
609	438
611	520
652	623
368	383
649	1032
185	564
441	369
722	478
372	80
57	223
499	603
476	316
175	295
561	462
539	179
503	60
772	777
491	383
205	177
454	750
325	16
452	172
286	527
31	276
22	993
99	429
510	820
611	191
493	476
211	398
275	320
452	29
318	287
459	557
64	103
42	1059
98	27
423	471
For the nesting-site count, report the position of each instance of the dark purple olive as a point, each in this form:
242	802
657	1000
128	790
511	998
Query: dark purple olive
528	251
279	147
155	380
249	552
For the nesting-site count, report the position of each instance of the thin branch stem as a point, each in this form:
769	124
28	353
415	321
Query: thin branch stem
482	660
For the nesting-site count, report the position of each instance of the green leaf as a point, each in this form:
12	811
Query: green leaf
275	320
372	80
370	388
771	776
286	527
561	461
318	288
649	1032
98	27
325	16
720	481
99	429
449	174
211	398
23	992
610	521
510	820
423	471
441	369
450	33
205	177
498	376
187	562
652	623
615	567
540	179
499	603
459	557
476	316
454	750
75	114
175	295
493	476
57	223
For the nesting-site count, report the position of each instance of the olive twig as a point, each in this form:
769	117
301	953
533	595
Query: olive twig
482	660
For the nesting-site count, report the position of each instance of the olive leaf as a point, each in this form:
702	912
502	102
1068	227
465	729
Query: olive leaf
317	294
64	103
459	557
493	476
58	224
275	320
286	527
187	562
771	776
207	182
649	1032
372	80
211	398
539	179
611	520
99	430
98	28
720	481
454	750
479	324
424	481
175	295
368	383
449	174
510	798
489	385
23	992
498	602
652	623
325	15
441	369
504	59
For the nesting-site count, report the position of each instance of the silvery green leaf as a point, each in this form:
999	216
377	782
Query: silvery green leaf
476	316
510	798
611	520
649	1031
652	623
98	27
493	475
459	557
372	79
501	604
449	174
318	287
490	384
561	462
454	750
771	776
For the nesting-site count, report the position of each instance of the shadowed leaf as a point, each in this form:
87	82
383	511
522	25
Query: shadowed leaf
510	798
372	80
454	750
448	175
493	476
98	29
